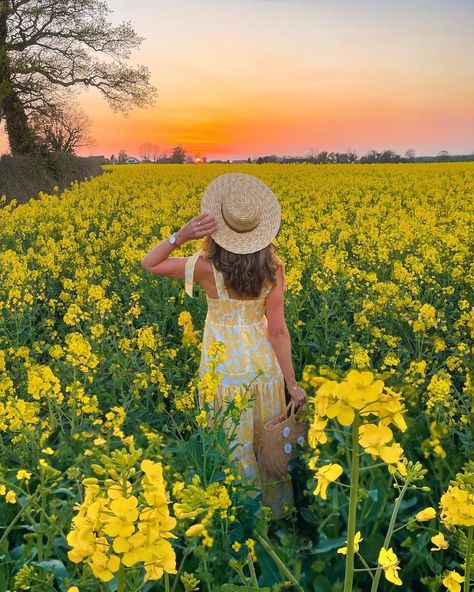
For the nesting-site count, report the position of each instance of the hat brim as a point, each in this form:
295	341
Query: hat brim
267	228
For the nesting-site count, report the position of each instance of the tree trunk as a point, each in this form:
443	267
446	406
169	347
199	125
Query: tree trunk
20	136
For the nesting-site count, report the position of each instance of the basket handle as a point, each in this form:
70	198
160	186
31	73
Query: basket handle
291	407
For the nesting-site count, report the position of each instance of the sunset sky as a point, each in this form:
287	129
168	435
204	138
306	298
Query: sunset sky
254	77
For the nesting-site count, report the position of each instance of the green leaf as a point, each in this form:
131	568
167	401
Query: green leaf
54	565
65	491
326	544
308	516
373	494
321	584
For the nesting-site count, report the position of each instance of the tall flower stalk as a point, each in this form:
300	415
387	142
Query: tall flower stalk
369	407
351	523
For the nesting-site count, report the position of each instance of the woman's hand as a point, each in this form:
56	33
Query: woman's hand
197	227
298	395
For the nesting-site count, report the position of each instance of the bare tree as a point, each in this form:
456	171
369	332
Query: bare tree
149	152
47	46
155	152
145	151
62	128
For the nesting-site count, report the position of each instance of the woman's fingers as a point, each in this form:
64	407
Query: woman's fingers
207	231
204	215
205	224
208	227
206	220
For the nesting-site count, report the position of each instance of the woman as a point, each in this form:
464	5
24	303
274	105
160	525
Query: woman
244	283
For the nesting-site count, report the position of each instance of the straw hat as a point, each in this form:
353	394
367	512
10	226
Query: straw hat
247	212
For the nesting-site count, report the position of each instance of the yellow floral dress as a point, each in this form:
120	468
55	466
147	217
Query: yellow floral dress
242	326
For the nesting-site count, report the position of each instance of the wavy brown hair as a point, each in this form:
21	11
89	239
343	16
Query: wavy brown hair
246	273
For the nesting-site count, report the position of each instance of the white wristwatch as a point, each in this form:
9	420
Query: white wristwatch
172	239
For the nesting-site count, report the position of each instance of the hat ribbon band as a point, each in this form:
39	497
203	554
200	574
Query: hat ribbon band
235	229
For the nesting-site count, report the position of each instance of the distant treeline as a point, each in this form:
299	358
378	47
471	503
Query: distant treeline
149	154
371	157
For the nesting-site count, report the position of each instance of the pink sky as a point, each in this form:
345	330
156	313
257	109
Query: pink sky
256	77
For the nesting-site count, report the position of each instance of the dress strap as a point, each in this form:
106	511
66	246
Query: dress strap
220	284
189	273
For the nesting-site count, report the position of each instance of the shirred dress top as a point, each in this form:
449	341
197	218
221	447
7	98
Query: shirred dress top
242	326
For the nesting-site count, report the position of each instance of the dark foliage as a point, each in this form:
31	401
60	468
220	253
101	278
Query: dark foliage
24	176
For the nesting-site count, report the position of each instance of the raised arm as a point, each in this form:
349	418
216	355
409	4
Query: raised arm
158	260
279	336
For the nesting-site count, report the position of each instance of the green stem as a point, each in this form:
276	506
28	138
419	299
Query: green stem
167	582
204	468
277	560
176	578
39	540
253	575
467	571
388	537
366	566
207	574
369	468
17	517
351	522
121	579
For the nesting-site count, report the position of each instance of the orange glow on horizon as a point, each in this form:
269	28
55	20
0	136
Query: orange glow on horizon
287	77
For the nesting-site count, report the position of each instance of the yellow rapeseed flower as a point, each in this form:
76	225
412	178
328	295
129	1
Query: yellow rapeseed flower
439	542
389	562
457	507
10	497
426	514
357	539
452	580
326	475
195	530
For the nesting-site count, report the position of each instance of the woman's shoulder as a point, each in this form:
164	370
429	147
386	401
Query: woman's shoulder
280	264
203	268
280	267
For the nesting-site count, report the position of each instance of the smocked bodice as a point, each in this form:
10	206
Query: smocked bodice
235	312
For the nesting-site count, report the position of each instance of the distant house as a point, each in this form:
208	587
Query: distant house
132	160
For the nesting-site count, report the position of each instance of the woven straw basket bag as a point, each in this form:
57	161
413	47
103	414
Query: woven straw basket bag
279	438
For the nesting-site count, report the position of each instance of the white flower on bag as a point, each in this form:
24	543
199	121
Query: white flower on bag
287	448
286	432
